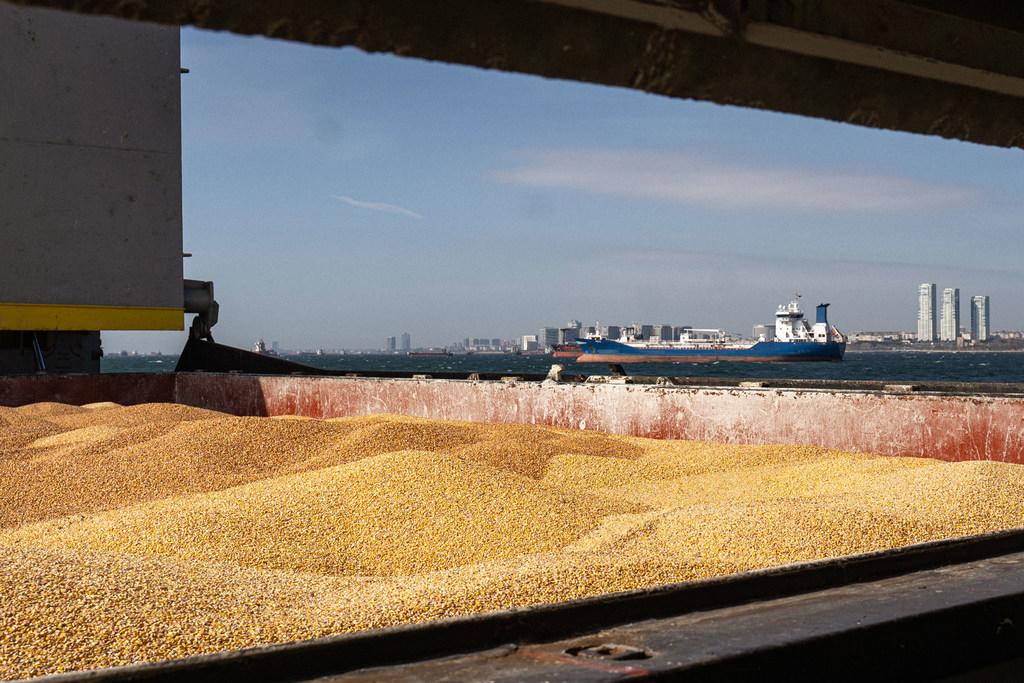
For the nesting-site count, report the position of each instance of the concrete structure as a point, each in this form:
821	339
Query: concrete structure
390	345
980	322
567	335
406	342
90	182
528	342
927	321
950	324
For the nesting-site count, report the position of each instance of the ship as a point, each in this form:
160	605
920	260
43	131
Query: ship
795	339
430	353
565	350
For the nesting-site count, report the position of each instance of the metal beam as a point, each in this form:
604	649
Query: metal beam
877	63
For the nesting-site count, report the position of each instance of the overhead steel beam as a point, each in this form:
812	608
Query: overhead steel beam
879	63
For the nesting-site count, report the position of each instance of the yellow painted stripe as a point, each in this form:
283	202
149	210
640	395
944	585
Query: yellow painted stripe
86	317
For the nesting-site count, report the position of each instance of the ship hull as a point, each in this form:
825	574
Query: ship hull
607	351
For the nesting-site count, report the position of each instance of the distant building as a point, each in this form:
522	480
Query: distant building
496	343
950	324
927	321
567	335
576	325
529	342
979	318
646	331
679	330
764	332
889	337
664	332
547	337
390	344
406	342
611	331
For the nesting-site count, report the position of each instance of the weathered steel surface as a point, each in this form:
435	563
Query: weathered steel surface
940	426
877	63
127	389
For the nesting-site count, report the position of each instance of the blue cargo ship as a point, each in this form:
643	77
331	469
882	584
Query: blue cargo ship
793	339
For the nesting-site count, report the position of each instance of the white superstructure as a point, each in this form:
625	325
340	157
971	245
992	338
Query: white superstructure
790	325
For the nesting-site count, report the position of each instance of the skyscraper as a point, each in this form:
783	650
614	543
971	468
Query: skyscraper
950	314
390	344
406	342
567	335
927	321
979	318
547	337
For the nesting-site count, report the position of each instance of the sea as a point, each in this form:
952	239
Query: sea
910	366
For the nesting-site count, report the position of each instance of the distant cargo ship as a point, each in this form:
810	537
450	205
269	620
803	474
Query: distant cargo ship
429	354
795	339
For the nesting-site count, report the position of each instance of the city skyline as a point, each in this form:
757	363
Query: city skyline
336	197
949	327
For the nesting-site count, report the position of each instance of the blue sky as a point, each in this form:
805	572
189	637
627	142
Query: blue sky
336	198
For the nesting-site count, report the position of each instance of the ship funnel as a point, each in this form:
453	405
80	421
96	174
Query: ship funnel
821	314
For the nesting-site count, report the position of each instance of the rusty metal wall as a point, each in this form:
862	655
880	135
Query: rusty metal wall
940	426
128	389
948	427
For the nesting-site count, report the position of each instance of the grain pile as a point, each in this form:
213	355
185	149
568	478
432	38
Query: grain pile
142	533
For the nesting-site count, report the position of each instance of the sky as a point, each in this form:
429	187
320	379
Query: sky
336	198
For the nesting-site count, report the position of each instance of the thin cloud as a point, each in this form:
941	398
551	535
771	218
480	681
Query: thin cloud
688	179
379	206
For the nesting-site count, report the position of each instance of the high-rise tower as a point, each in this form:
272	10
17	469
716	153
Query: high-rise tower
927	321
950	314
979	318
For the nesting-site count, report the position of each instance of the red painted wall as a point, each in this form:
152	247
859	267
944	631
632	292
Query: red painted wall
938	426
16	390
